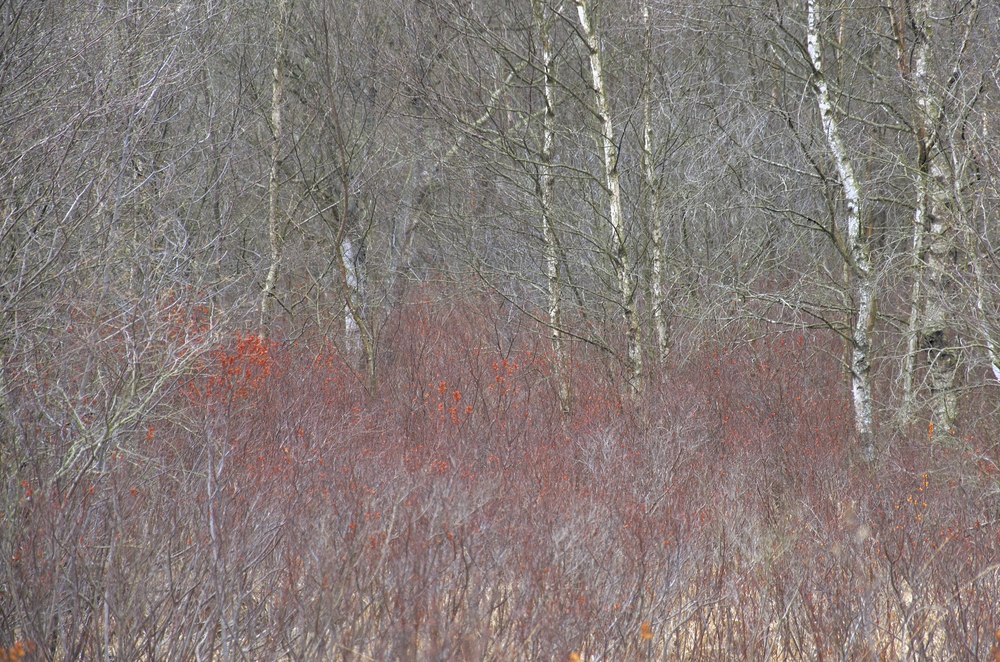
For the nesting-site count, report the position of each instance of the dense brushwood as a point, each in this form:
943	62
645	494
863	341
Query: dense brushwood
273	508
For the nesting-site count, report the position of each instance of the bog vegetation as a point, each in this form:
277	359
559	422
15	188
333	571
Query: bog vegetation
535	330
270	507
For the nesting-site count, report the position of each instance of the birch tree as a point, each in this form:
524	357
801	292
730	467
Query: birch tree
609	153
985	289
939	243
652	185
282	13
916	74
940	252
544	183
862	278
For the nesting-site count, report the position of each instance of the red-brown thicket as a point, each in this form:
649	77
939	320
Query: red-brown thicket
272	508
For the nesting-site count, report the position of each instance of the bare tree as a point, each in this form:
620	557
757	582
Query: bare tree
652	191
608	147
858	252
545	182
282	14
940	244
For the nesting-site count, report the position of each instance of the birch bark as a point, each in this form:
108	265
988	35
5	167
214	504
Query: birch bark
612	186
281	17
992	346
545	184
985	319
653	200
937	247
352	331
860	267
359	332
924	124
937	333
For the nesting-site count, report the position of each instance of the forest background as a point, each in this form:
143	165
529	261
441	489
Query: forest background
535	329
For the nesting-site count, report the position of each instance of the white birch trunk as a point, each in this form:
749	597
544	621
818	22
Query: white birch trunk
653	201
352	330
924	125
986	319
546	181
937	333
916	310
861	275
612	185
936	244
273	185
992	346
359	334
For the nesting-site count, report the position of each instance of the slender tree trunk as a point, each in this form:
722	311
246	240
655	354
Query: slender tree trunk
992	346
658	249
945	248
982	308
359	329
352	330
612	185
861	273
546	181
916	310
936	245
914	69
281	17
937	333
359	336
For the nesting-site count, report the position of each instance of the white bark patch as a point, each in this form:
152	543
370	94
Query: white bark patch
352	330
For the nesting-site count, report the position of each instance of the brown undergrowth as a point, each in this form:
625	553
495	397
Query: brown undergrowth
272	508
